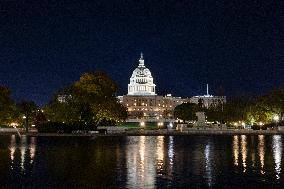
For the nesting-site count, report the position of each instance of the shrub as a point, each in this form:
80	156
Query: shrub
269	125
57	127
190	125
255	127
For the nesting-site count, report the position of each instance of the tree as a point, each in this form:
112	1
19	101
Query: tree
255	109
215	112
89	100
186	111
40	117
7	106
236	109
71	110
266	106
110	109
27	110
200	102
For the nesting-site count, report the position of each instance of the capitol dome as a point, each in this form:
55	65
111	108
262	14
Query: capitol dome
141	81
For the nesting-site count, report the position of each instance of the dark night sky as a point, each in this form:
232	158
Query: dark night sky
236	44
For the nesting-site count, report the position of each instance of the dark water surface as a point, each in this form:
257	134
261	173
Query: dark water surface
142	162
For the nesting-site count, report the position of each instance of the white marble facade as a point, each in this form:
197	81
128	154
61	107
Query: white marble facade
141	81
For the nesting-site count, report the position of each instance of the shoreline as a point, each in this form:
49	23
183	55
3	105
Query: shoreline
158	133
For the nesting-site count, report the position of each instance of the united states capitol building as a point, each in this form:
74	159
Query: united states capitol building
143	102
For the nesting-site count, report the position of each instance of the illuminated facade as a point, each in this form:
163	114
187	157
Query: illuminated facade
150	107
141	81
208	100
142	100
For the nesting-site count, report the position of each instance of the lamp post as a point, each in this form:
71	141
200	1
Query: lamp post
276	119
26	123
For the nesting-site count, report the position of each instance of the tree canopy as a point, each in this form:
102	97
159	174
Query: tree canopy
246	109
250	109
89	100
186	111
266	106
7	106
27	111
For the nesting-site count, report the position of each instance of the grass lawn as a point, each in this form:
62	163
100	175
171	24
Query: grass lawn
136	125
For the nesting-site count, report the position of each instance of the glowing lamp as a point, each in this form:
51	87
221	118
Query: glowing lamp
276	118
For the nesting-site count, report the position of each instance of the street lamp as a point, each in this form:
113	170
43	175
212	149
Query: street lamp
26	122
276	119
142	124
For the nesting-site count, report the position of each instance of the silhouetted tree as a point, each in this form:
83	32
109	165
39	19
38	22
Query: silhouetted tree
7	106
27	110
186	111
89	100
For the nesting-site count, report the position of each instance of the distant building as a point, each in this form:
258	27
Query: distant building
207	100
143	102
141	81
62	98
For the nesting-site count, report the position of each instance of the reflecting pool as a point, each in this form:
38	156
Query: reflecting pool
239	161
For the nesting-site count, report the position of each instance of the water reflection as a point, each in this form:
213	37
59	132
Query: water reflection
208	164
277	153
261	152
149	158
240	148
251	148
236	150
12	149
27	148
32	149
141	163
171	155
244	151
160	154
23	149
142	154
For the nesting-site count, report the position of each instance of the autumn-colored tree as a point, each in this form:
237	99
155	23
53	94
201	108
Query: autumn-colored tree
89	100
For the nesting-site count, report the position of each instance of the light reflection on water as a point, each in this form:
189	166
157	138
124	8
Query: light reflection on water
240	145
160	154
261	147
23	149
261	152
244	151
23	146
146	161
277	153
171	156
208	164
12	149
236	149
141	163
152	161
32	149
